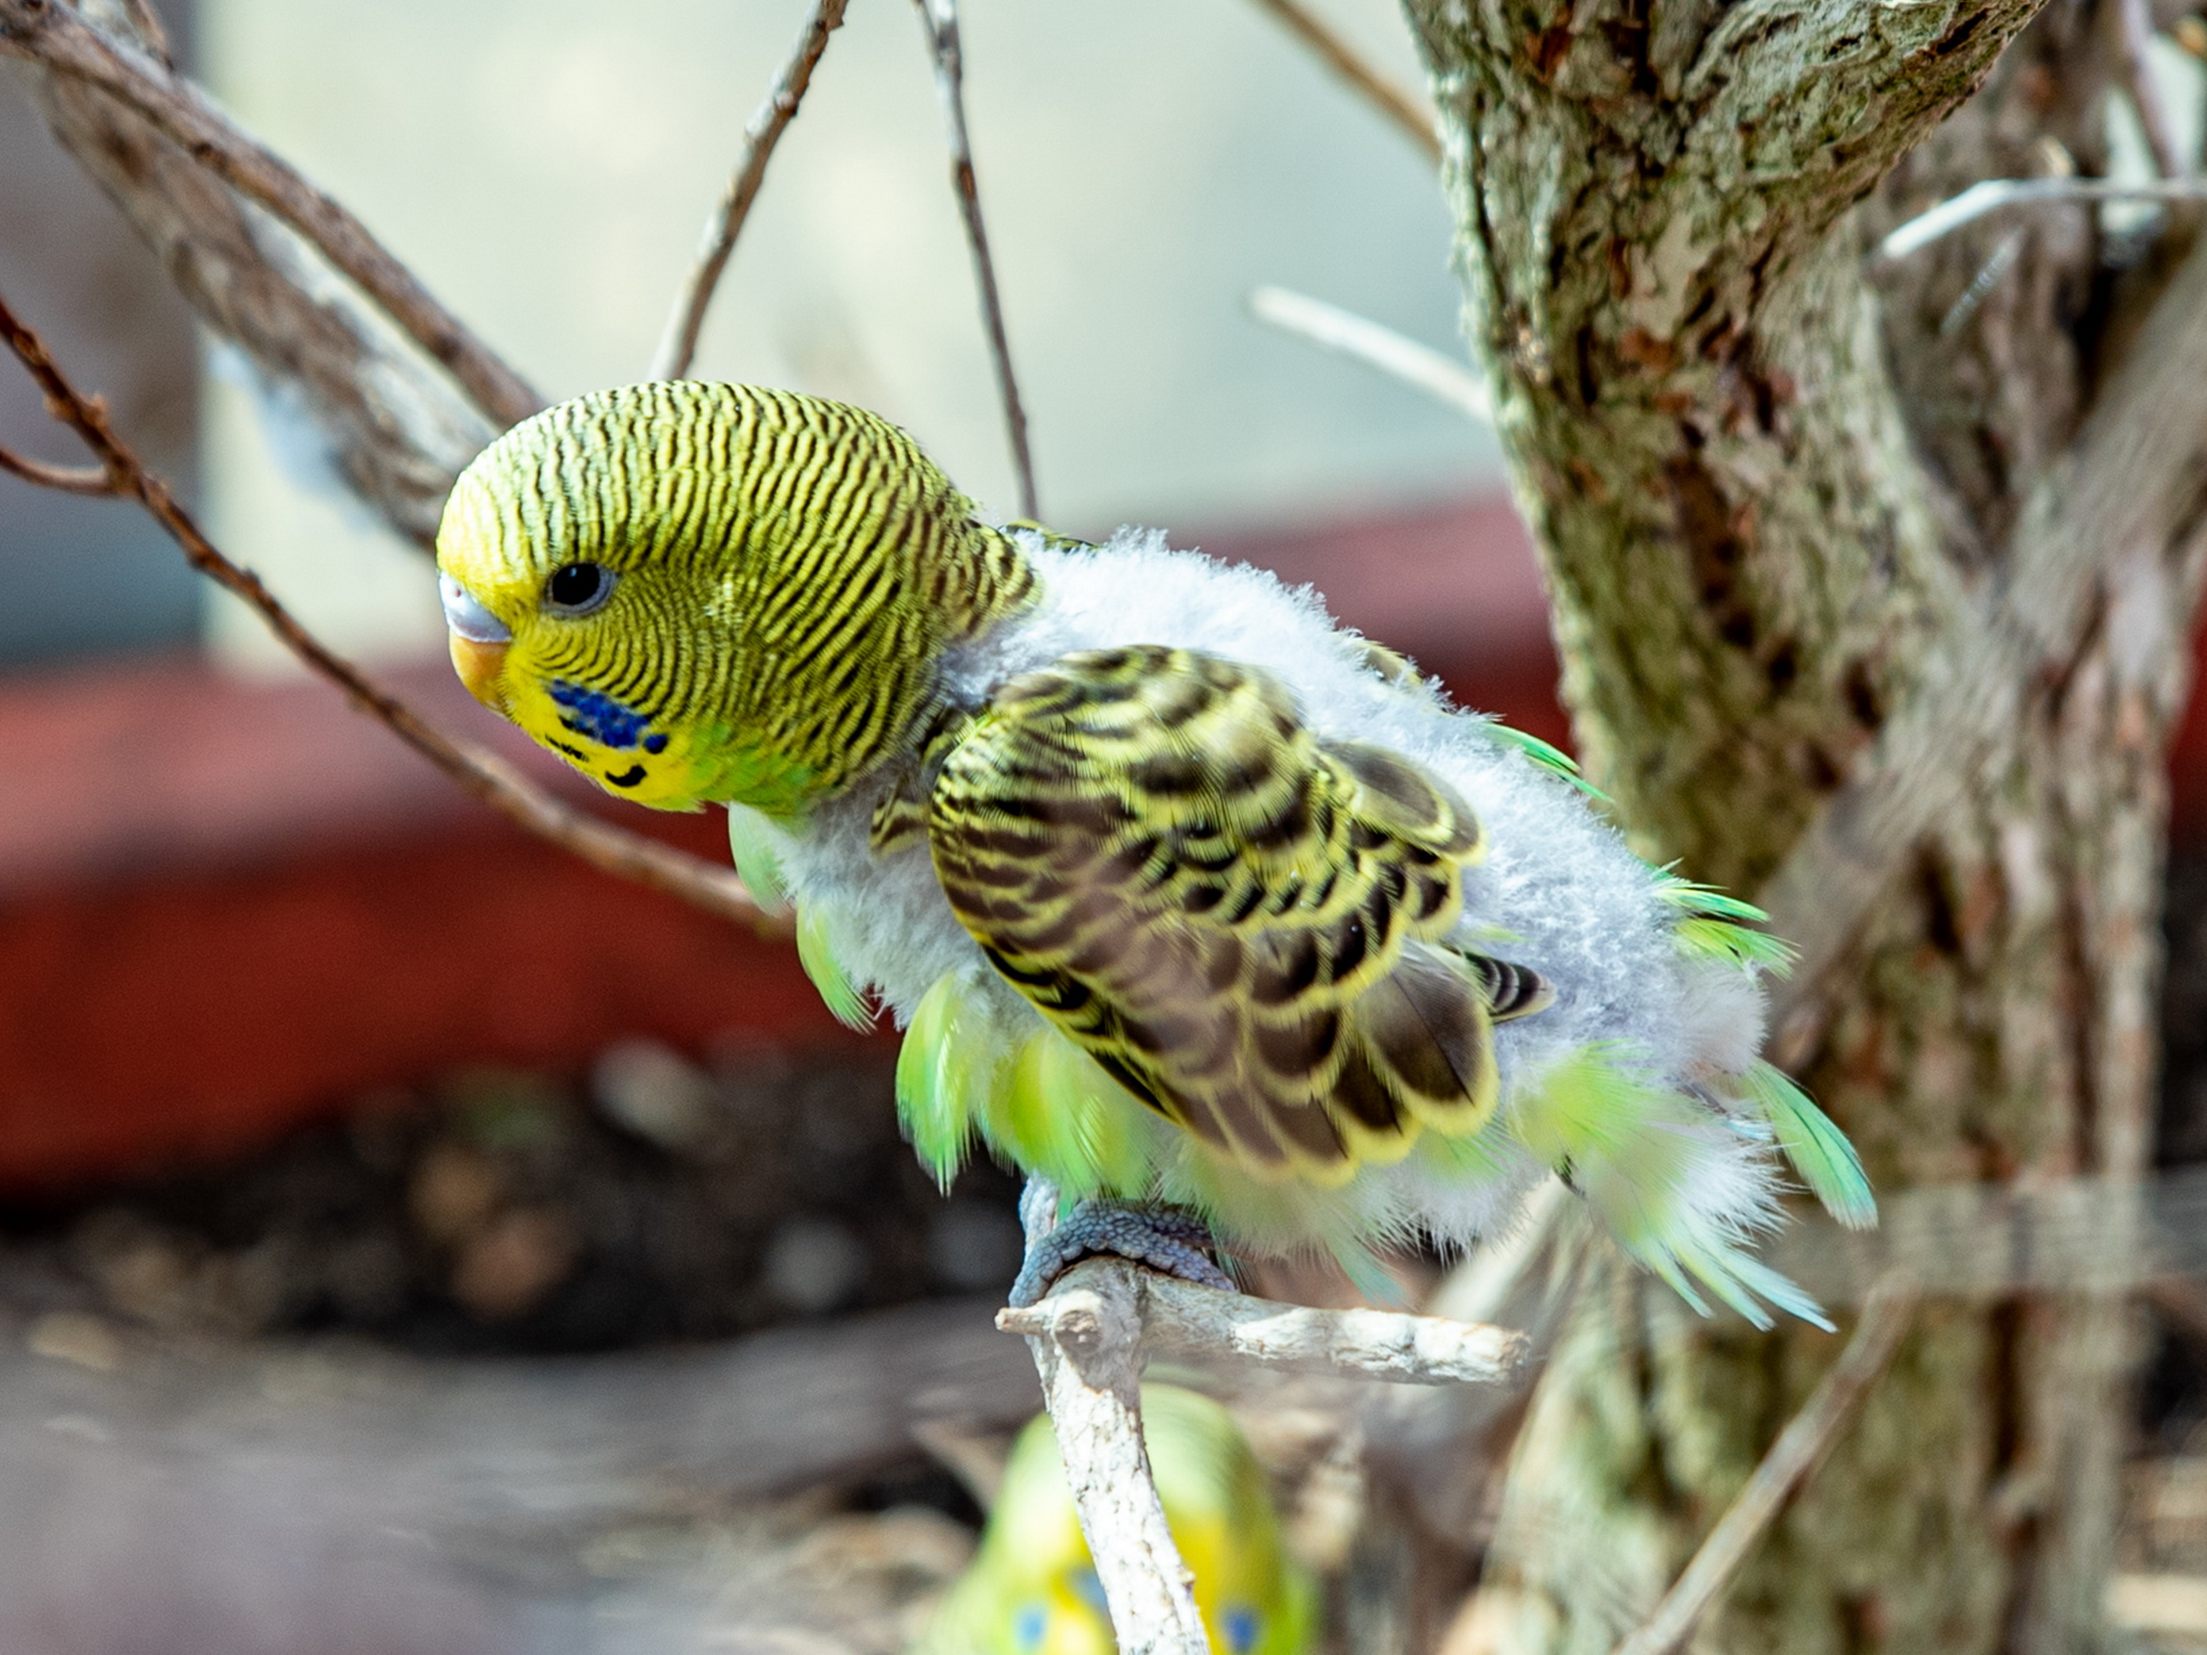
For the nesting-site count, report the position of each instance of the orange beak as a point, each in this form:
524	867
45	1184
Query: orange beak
478	639
479	665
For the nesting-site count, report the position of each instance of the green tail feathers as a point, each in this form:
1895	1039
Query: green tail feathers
750	844
1549	757
1640	1155
1819	1151
1047	1106
938	1073
1717	926
843	997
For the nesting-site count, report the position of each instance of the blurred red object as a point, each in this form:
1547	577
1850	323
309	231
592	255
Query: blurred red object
228	908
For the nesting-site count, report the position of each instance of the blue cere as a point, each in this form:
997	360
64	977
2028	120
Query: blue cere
603	719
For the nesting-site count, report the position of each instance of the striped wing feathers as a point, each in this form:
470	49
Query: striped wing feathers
1237	919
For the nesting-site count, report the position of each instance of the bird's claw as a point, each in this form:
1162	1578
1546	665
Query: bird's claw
1159	1238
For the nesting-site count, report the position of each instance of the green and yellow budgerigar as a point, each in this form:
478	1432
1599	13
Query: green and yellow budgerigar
1032	1589
1215	919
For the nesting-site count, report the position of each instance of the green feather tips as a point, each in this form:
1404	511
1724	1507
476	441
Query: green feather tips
1713	925
1819	1151
1055	1113
751	844
935	1081
828	976
1549	757
1619	1137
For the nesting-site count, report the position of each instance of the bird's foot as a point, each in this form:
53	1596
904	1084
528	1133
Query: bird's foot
1164	1239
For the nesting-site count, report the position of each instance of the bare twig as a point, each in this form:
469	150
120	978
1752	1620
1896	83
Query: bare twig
1180	1319
1800	1446
2131	23
1092	1336
1420	366
2002	194
395	427
678	345
69	479
1409	116
612	849
61	41
940	19
1091	1368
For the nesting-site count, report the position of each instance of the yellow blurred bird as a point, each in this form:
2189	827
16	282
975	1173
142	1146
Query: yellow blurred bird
1032	1588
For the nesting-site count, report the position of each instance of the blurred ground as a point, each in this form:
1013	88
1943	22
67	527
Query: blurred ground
681	1353
656	1198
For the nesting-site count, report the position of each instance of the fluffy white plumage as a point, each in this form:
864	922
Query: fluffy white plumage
1558	891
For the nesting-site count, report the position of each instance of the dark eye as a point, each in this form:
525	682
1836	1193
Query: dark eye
578	588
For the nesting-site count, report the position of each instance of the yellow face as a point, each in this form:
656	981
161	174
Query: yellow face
704	593
550	649
606	611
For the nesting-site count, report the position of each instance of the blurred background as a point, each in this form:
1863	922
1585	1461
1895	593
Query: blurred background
297	1041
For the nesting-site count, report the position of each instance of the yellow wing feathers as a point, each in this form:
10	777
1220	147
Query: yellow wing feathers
1238	920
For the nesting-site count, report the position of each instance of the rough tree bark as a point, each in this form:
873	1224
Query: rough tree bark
1772	500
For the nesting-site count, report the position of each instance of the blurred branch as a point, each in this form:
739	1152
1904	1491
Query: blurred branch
89	479
678	346
62	42
2172	1607
2131	23
1997	195
611	849
2122	507
1097	1329
1411	118
1800	1446
940	19
1419	366
361	1438
396	429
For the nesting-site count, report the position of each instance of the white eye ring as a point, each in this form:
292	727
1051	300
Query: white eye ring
578	588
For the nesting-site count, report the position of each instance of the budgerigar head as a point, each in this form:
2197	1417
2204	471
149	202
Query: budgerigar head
697	592
1033	1590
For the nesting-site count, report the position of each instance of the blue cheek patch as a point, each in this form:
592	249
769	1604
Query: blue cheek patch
1241	1630
603	719
1029	1625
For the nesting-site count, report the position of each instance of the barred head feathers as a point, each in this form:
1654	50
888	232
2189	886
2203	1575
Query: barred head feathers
699	592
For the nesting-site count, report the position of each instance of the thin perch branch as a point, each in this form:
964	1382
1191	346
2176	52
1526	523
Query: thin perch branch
59	40
1412	119
678	345
1419	366
1097	1329
69	479
940	19
1796	1453
1091	1370
1181	1319
2003	194
614	850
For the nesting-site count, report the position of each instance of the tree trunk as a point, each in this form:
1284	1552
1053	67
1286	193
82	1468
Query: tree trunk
1775	503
